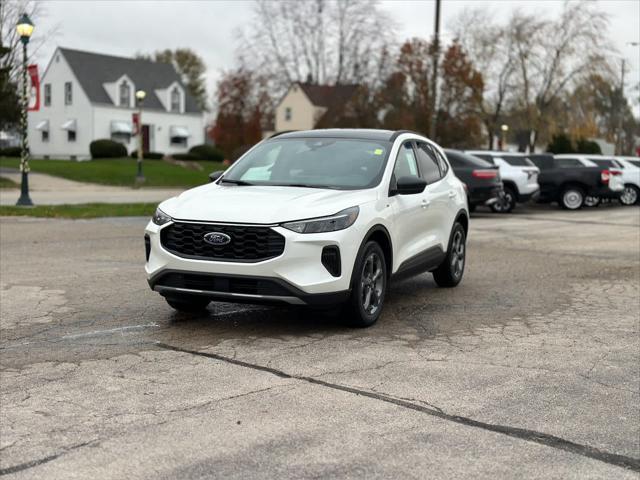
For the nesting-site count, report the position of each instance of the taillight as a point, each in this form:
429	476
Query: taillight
605	175
485	173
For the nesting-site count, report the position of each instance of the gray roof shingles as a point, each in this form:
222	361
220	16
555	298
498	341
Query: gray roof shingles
93	70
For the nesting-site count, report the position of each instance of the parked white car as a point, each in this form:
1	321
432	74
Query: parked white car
631	178
322	217
519	176
627	178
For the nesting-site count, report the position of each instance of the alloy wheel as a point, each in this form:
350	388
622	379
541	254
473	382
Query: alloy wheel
572	199
629	196
372	284
504	202
457	254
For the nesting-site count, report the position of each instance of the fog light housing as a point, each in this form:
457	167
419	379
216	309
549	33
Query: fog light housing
331	260
147	246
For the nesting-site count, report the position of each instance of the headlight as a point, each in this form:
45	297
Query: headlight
339	221
160	218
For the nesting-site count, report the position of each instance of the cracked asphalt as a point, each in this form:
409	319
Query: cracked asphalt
531	367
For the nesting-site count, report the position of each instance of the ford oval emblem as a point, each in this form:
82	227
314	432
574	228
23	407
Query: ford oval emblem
217	238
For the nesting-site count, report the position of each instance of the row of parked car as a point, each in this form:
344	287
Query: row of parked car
501	180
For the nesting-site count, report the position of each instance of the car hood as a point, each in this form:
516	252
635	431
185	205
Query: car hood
261	204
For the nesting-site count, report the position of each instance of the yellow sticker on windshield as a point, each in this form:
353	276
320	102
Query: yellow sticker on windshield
378	151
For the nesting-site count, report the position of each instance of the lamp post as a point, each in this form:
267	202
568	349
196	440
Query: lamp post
505	128
24	29
140	94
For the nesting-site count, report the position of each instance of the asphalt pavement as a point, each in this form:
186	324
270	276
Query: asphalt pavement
530	368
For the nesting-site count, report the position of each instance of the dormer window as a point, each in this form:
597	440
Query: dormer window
125	94
175	99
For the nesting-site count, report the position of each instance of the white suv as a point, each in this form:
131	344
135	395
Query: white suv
519	176
319	218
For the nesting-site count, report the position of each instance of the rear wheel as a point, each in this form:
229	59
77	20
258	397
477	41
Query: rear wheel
506	202
572	198
368	287
188	304
630	195
449	273
590	201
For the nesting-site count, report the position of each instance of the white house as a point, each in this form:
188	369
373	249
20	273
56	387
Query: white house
88	96
305	104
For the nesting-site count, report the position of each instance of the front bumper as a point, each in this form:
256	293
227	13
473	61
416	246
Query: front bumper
297	276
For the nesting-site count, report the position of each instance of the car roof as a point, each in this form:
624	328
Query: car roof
350	133
495	153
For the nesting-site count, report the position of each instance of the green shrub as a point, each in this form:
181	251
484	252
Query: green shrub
588	146
106	148
148	155
184	156
560	143
207	152
10	152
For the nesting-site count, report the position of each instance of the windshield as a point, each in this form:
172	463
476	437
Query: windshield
345	164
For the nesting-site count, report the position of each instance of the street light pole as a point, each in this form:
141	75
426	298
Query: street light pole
24	29
503	142
140	94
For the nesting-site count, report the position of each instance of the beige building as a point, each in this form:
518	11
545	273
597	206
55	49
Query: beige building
304	105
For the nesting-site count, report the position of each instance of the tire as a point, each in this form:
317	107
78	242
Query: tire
590	201
368	287
630	195
572	198
506	202
450	272
188	304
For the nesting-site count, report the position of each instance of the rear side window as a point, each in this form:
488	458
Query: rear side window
428	161
517	161
568	163
604	163
406	164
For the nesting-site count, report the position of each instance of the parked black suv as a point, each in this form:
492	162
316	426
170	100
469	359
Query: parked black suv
484	186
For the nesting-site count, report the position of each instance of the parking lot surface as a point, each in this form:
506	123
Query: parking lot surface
531	367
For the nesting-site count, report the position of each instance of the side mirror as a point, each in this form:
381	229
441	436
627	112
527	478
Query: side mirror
410	185
215	175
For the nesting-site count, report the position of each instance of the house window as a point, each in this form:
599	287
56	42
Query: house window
121	137
178	141
287	114
47	94
45	135
71	135
125	94
175	99
68	94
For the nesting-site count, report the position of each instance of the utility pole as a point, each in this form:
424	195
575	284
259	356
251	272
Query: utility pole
619	144
434	76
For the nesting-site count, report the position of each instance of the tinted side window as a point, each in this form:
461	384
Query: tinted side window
604	163
444	166
568	163
406	164
428	163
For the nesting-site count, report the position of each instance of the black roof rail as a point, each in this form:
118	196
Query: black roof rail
397	133
281	133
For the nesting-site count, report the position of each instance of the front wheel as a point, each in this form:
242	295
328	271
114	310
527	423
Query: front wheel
630	195
572	198
450	271
506	202
368	287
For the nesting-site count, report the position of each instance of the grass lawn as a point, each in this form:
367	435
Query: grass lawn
121	171
86	210
6	183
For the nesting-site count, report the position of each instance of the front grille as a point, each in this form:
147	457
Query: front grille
223	284
248	243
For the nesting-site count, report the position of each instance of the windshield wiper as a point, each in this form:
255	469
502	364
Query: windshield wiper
236	182
304	185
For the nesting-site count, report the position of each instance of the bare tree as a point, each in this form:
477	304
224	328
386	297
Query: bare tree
552	55
10	13
321	41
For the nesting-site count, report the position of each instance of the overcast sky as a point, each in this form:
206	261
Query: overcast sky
210	27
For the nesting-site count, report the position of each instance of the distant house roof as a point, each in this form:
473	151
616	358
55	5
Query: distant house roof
94	69
328	95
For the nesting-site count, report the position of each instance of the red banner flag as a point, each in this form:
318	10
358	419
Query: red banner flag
34	88
135	119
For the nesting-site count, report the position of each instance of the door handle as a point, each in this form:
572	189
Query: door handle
452	193
425	203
